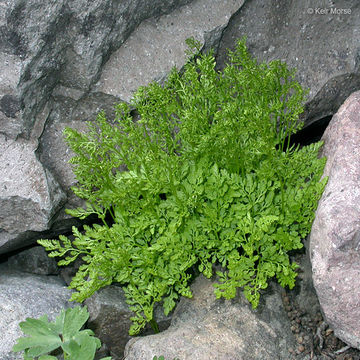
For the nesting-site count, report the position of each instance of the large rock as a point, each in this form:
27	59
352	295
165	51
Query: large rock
23	295
158	45
204	328
319	38
110	319
46	43
69	109
335	235
35	261
51	50
29	194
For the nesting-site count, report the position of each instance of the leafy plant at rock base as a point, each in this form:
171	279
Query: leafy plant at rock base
65	332
211	179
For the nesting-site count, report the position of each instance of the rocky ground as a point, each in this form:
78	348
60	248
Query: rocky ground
316	340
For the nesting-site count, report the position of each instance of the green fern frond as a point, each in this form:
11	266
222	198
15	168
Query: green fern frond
205	176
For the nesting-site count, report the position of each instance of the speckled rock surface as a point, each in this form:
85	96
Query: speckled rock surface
29	194
24	295
158	44
50	42
34	261
335	235
204	328
110	319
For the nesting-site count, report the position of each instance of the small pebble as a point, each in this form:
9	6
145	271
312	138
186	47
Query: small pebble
286	300
301	348
328	332
318	318
298	320
300	340
334	341
291	350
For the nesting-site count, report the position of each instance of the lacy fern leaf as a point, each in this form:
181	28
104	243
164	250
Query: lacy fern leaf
205	176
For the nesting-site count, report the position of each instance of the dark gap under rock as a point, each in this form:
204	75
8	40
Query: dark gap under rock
312	133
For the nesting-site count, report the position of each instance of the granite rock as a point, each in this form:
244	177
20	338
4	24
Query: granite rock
34	261
158	45
204	328
30	196
110	319
335	234
47	43
25	295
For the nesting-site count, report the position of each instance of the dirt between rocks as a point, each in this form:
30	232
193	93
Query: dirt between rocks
316	340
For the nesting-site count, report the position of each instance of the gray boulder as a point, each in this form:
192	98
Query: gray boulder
51	50
24	295
314	36
335	235
44	44
158	45
29	197
34	260
110	319
69	110
204	328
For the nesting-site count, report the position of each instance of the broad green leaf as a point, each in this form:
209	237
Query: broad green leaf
74	320
37	327
47	357
27	357
71	348
81	350
50	341
58	325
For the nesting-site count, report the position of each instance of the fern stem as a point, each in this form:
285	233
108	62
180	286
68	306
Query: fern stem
154	326
282	198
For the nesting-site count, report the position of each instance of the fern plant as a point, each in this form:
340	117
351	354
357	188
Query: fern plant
211	179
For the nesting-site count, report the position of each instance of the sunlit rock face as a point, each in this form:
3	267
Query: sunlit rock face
335	235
